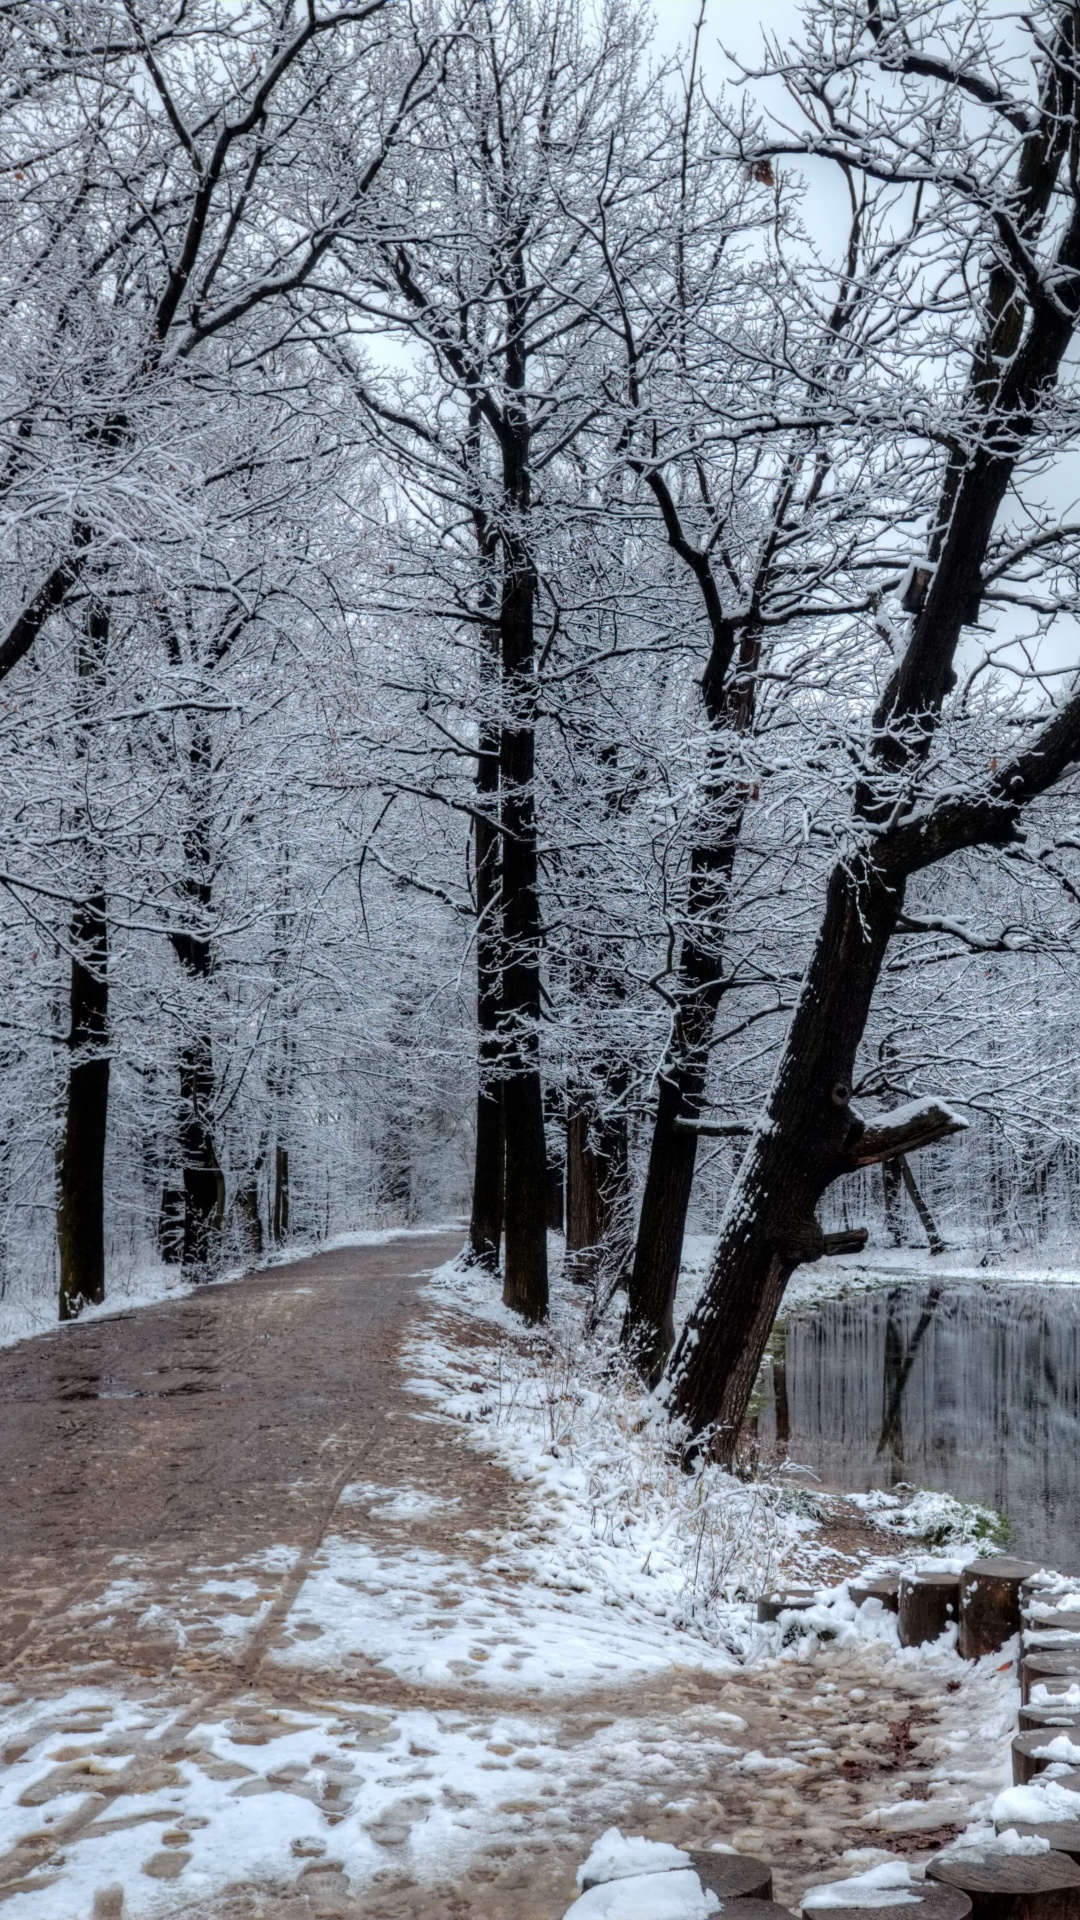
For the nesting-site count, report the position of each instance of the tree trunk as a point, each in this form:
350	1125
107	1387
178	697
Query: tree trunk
204	1182
80	1219
891	1184
769	1225
648	1329
249	1215
171	1226
598	1226
280	1221
80	1216
582	1196
486	1222
525	1281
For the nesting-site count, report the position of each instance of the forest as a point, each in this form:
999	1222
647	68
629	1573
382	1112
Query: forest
538	639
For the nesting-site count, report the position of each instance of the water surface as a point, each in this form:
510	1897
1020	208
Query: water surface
973	1389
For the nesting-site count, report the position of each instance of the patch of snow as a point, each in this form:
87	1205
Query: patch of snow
667	1896
888	1885
615	1858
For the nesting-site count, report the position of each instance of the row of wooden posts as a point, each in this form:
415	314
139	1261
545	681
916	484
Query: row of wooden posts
989	1602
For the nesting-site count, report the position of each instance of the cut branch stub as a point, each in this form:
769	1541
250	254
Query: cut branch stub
853	1240
919	1124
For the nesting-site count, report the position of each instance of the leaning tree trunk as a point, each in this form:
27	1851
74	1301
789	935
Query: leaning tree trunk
808	1136
797	1150
80	1219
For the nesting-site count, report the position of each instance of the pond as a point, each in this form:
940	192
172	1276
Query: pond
972	1389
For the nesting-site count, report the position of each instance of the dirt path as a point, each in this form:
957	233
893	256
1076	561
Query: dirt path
259	1654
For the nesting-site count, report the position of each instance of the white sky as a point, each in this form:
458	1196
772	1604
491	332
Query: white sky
736	24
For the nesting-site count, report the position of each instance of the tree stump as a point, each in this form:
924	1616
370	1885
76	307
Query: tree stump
755	1910
1011	1886
929	1602
733	1876
1028	1759
990	1603
930	1902
1031	1718
772	1605
886	1589
1062	1835
1043	1669
1059	1632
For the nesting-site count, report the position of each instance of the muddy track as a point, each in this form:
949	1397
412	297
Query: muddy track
147	1458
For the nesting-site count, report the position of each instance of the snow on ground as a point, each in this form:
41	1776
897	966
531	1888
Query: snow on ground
623	1527
615	1571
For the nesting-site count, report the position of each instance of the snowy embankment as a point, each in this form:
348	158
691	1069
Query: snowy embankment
624	1525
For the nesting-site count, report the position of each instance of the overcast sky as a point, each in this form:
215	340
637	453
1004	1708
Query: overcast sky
737	24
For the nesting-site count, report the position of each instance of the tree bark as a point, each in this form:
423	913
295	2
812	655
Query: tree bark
280	1218
80	1218
769	1225
525	1279
486	1221
649	1329
598	1226
203	1180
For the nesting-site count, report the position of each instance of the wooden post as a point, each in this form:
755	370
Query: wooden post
733	1876
886	1589
1062	1835
1010	1886
1031	1752
1032	1718
925	1902
929	1602
990	1603
1050	1669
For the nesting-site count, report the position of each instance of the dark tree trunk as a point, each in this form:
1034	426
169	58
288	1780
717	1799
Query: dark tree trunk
171	1226
203	1180
280	1220
80	1220
80	1217
525	1279
582	1197
248	1213
555	1134
769	1225
648	1329
892	1187
204	1183
486	1222
598	1187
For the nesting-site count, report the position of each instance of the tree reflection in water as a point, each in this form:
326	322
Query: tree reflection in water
973	1390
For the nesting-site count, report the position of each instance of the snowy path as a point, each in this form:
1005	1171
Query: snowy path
265	1650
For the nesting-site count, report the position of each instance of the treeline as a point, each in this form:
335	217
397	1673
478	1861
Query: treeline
538	641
